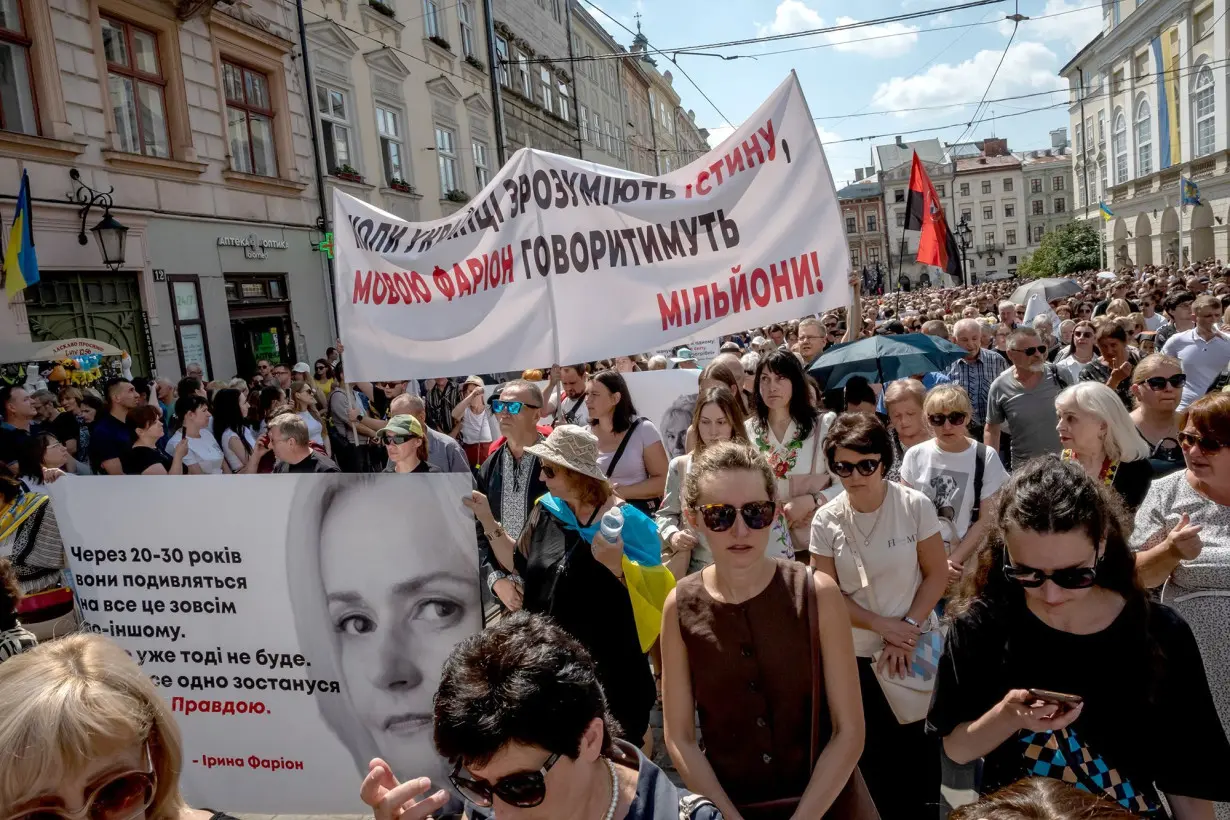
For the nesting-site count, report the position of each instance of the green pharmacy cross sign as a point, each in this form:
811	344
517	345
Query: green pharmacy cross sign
325	245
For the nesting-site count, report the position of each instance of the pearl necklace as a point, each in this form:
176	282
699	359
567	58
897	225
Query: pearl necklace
610	810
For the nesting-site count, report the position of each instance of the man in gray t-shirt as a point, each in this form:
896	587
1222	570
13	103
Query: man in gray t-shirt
1023	396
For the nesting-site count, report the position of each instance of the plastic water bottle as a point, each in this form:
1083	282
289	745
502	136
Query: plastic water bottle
612	524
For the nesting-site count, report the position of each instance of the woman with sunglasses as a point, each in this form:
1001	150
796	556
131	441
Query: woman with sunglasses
323	377
1058	664
86	736
1157	388
1080	353
783	727
1097	432
41	459
880	541
946	470
406	444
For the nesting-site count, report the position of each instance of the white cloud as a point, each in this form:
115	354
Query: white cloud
1078	23
1028	67
794	15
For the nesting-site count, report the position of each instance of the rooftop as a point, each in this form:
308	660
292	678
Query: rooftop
975	164
892	155
860	190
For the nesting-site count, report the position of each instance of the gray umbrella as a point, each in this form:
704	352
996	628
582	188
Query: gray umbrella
1049	288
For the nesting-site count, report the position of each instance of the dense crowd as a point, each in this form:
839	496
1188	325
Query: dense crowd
999	584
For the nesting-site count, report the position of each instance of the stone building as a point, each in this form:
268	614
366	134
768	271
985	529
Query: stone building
988	192
862	213
599	91
1048	188
895	161
537	88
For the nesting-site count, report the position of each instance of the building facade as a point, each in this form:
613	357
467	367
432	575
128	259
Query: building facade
895	162
403	109
642	133
862	214
197	128
599	91
537	87
1047	176
988	193
1149	99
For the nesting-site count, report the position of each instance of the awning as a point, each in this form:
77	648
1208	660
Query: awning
56	349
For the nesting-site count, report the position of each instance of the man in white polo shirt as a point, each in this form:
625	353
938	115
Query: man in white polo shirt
1203	350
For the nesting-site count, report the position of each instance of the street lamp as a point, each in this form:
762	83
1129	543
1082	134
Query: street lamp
110	235
963	237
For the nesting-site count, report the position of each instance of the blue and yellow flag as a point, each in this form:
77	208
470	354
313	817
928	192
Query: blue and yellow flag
20	261
1107	213
1189	192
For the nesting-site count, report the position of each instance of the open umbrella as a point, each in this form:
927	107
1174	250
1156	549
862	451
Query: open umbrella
884	359
1049	288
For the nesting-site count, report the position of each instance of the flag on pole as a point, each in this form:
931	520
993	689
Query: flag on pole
1107	213
923	212
1189	192
20	261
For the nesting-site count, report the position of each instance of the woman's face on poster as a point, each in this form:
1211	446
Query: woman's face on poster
398	607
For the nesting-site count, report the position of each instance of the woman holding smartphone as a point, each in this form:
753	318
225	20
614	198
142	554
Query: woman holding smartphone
1058	664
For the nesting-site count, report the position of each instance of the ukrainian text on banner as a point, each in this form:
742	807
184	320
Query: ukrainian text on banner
559	260
296	625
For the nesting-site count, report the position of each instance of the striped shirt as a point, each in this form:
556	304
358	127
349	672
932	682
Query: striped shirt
976	378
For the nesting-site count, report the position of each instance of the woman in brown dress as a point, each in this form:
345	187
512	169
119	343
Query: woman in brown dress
761	649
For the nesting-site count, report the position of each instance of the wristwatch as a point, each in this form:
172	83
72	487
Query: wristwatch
496	575
912	622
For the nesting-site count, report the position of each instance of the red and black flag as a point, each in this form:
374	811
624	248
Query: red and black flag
924	212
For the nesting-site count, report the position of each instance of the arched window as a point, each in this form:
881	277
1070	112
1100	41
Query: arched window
1118	147
1144	138
1203	107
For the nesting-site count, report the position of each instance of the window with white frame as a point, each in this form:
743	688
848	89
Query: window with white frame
1102	178
446	154
1144	139
1010	236
583	122
988	212
523	68
988	237
1009	209
334	107
465	16
871	223
1036	207
1060	205
964	189
1057	182
1038	231
986	186
618	149
851	224
597	124
610	145
482	169
1118	147
546	81
501	58
1007	184
392	152
1101	128
16	82
431	17
565	110
1204	106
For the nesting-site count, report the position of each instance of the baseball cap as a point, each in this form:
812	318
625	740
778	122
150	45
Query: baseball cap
301	367
403	425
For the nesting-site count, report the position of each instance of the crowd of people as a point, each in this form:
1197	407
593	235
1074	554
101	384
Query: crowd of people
1000	583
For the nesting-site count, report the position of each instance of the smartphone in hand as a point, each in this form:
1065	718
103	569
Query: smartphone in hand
1058	698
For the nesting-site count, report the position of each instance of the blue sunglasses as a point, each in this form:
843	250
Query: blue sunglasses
512	408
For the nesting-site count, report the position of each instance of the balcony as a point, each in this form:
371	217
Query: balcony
997	247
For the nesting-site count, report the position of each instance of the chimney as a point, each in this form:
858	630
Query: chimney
1059	138
994	147
858	174
900	144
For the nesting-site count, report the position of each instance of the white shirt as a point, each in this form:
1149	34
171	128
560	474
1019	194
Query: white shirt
889	575
235	463
575	409
1071	367
476	427
779	453
1155	321
1202	361
316	431
203	451
947	479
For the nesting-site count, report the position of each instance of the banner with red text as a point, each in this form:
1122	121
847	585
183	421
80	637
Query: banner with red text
296	626
558	260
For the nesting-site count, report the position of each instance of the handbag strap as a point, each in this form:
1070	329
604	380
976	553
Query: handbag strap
813	623
980	467
619	451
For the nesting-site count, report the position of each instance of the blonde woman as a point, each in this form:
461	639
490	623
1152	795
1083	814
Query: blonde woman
1157	387
304	398
903	401
1097	432
84	726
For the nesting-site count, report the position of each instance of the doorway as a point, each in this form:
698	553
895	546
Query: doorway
261	324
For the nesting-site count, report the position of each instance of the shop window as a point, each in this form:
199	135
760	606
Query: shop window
189	321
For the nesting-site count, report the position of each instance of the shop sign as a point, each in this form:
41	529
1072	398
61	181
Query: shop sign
253	246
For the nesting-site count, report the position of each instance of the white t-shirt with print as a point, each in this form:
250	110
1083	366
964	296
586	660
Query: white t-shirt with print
203	451
889	559
947	479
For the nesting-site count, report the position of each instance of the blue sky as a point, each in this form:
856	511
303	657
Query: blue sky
919	63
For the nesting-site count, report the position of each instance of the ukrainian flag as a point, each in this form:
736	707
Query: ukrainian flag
20	261
1107	213
1189	192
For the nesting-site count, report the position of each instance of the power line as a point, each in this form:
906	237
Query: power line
1016	24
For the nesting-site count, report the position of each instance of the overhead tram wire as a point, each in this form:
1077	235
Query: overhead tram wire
975	120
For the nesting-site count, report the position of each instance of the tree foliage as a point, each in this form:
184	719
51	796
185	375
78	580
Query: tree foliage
1070	249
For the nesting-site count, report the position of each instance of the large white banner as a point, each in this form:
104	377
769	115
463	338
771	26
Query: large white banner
559	260
296	625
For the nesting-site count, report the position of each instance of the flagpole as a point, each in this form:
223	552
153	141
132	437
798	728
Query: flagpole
900	262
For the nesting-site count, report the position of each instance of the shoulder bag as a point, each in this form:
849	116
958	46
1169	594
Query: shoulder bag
649	506
854	801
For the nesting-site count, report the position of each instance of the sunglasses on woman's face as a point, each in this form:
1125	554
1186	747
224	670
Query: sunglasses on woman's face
954	418
120	797
525	790
1207	445
721	517
548	471
1160	382
1067	578
392	439
866	467
1083	335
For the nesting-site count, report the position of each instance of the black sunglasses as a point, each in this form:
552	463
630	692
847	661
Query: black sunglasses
394	439
1208	445
954	418
1029	351
548	470
525	790
1067	578
1160	382
867	466
721	517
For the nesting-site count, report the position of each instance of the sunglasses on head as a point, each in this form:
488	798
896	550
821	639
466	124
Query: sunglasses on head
512	408
865	467
721	517
1067	578
120	797
393	439
1208	445
954	418
1029	351
1160	382
525	790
